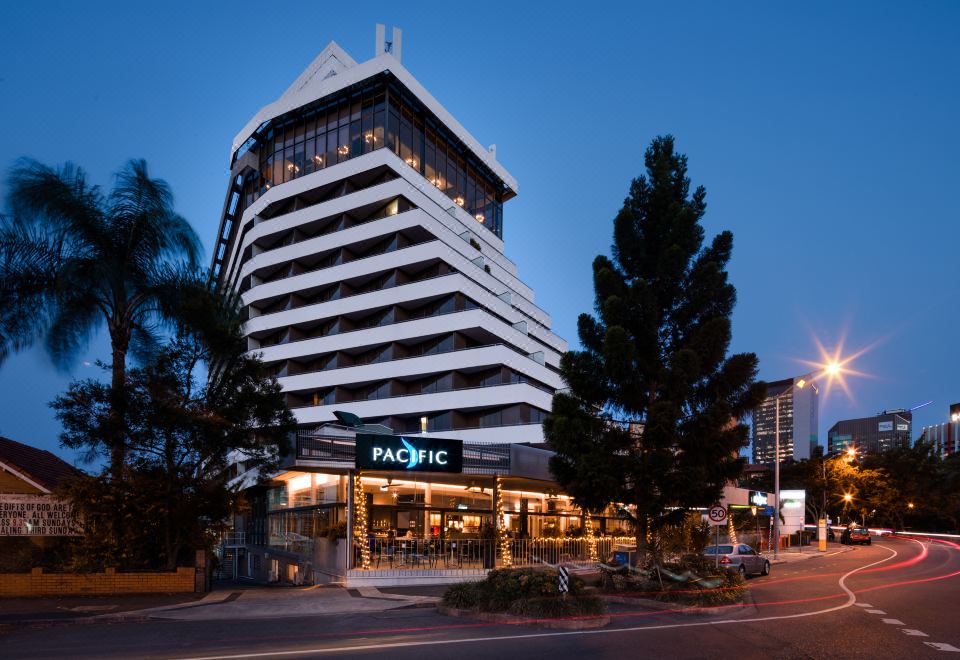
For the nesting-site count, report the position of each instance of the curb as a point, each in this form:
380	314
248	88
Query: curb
80	620
816	554
685	610
579	623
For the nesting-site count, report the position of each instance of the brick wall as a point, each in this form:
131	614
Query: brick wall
39	583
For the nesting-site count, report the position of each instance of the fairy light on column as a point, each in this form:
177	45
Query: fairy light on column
360	521
731	530
506	557
591	539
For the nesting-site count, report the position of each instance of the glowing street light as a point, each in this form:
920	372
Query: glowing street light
832	369
847	497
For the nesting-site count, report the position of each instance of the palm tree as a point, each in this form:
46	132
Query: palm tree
73	260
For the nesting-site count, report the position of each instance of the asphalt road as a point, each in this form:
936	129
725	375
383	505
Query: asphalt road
894	599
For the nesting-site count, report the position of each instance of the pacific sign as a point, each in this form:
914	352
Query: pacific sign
410	454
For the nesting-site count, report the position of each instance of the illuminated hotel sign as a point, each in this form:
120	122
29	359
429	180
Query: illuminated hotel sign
758	498
408	453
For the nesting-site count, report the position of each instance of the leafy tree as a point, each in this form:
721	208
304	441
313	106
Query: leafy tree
651	417
73	259
911	479
182	427
948	501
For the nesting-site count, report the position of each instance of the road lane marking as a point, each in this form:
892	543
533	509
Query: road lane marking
851	599
875	612
940	646
913	633
864	605
893	622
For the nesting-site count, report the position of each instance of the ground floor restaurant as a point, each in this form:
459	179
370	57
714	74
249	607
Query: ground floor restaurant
324	523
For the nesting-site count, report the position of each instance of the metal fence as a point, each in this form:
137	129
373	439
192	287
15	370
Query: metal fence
417	554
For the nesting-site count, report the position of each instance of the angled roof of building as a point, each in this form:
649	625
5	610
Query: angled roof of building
333	69
39	466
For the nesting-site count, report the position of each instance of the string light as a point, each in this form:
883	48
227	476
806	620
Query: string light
591	539
506	557
360	520
732	531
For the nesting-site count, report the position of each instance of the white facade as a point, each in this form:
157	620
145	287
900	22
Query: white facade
372	272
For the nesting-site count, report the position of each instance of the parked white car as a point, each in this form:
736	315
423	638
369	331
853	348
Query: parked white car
739	557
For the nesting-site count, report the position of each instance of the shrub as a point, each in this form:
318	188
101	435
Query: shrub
522	591
558	606
694	581
464	595
475	243
709	589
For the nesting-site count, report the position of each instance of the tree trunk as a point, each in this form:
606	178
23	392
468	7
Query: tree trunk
118	381
643	525
119	341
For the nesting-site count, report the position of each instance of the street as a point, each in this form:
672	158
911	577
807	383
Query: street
895	598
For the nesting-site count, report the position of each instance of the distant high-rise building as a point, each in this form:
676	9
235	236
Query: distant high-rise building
890	429
799	417
945	436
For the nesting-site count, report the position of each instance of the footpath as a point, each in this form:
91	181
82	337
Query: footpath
227	601
237	601
791	555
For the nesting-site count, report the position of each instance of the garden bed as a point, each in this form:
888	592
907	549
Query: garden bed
526	596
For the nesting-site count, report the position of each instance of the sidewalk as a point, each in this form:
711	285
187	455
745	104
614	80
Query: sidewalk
71	608
227	601
790	555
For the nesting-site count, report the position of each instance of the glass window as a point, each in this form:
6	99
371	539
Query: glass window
393	127
278	168
288	164
309	156
366	128
430	159
356	139
441	181
379	119
298	160
343	146
331	156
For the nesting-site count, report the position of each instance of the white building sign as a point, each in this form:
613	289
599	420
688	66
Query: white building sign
36	515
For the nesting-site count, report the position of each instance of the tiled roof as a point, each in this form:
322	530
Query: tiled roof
38	465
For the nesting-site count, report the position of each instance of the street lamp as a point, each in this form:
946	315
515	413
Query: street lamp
829	370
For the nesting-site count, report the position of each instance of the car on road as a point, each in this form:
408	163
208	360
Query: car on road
739	557
854	535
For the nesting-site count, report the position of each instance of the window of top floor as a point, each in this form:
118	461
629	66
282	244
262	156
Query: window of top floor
358	122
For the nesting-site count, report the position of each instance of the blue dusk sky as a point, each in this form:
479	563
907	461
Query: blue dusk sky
826	134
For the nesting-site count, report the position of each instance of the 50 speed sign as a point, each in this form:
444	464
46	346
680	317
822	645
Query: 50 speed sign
717	515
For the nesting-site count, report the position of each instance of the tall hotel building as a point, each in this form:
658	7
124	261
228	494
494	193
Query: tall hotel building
799	417
363	228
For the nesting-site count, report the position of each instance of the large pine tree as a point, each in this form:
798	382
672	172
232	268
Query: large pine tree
652	416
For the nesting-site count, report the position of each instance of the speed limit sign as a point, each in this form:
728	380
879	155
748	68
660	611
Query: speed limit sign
717	515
